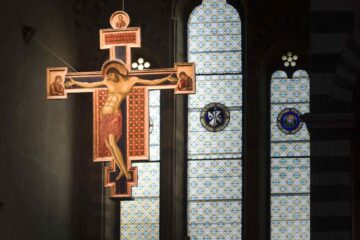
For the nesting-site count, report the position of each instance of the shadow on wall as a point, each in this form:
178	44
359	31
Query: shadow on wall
48	183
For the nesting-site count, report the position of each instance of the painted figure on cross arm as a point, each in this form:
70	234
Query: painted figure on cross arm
56	88
185	82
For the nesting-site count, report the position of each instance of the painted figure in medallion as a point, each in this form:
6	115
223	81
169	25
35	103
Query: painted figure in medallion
120	23
119	19
290	121
119	85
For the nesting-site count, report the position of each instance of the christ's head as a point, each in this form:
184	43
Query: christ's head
113	75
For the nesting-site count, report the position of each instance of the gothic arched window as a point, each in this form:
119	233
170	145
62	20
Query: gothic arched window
290	154
215	123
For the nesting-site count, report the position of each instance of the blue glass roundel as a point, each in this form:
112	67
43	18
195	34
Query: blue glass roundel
289	121
215	117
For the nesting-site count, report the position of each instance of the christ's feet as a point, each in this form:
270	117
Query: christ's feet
128	175
121	173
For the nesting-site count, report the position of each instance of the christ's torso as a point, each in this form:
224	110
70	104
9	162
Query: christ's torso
117	93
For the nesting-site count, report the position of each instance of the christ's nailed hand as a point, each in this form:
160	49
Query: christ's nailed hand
69	83
173	79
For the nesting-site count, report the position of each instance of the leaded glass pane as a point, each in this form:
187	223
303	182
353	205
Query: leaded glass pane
290	158
215	62
290	149
285	230
214	179
214	11
214	169
223	144
217	43
148	183
140	218
214	220
303	134
291	217
214	158
290	175
214	28
293	91
209	87
292	208
154	116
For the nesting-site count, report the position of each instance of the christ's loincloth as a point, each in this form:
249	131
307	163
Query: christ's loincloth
111	124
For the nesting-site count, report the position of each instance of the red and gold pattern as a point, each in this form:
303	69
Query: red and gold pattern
101	152
138	124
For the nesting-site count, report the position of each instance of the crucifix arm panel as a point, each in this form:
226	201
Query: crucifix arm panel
146	82
60	82
73	82
78	82
56	83
181	78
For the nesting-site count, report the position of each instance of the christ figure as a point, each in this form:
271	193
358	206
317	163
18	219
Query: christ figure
119	85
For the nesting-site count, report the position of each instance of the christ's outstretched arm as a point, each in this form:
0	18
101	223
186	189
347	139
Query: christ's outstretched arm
85	84
169	78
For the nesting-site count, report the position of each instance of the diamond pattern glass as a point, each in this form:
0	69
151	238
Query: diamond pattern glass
214	158
290	160
215	220
140	218
212	85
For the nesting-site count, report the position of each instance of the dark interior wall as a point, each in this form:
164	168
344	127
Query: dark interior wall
355	153
335	58
153	17
41	185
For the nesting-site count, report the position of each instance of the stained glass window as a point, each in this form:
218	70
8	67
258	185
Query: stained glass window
290	157
140	218
215	123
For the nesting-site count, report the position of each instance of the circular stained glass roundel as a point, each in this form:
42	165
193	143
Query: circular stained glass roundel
215	117
289	121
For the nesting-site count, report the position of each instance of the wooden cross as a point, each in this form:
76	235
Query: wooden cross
109	88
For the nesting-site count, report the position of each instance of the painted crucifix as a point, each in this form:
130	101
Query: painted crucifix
120	101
